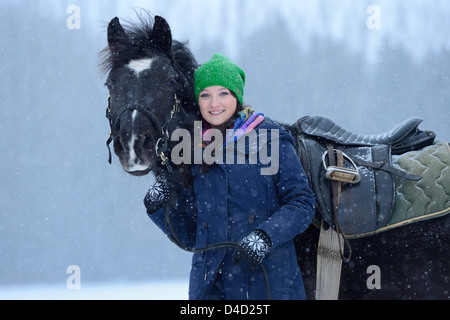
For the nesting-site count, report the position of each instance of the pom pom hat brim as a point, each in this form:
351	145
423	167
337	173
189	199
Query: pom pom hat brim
220	71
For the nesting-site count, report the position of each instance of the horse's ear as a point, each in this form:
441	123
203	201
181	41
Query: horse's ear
161	36
116	33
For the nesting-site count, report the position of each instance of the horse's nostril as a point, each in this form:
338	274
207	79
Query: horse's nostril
118	146
122	143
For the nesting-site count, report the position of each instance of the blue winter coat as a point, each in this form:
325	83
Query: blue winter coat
228	202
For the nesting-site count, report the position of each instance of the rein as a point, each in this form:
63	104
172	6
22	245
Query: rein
171	234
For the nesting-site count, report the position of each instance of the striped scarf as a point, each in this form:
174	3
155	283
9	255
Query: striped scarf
246	121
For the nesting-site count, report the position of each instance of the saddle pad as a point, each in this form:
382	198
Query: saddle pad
429	196
420	200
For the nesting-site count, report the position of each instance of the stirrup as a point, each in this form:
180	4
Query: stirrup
346	175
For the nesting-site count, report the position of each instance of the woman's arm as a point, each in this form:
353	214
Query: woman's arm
296	198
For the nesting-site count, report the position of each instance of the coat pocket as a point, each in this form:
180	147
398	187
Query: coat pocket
268	199
197	276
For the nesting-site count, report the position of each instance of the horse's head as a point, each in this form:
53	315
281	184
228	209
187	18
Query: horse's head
149	76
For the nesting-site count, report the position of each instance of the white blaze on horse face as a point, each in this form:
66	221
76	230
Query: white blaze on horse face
134	164
134	115
140	65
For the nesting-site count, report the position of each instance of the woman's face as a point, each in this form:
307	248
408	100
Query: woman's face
217	105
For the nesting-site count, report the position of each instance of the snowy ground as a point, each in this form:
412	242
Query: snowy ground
167	290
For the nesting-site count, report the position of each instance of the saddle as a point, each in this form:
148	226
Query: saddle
351	175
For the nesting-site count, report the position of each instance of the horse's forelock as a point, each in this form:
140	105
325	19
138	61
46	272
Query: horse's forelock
138	45
133	46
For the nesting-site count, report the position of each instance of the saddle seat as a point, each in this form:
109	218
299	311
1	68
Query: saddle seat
366	204
402	138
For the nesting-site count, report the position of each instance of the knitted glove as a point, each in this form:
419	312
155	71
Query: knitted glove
253	249
157	195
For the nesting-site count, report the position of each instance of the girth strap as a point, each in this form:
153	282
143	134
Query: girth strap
329	264
330	251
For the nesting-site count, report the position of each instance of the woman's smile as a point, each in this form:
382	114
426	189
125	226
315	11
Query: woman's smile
216	113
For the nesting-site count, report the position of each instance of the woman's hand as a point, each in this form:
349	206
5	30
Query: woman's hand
157	195
252	248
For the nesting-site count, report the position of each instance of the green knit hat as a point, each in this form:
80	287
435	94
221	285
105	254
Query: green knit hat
220	71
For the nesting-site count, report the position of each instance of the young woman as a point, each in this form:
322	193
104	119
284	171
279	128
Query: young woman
233	201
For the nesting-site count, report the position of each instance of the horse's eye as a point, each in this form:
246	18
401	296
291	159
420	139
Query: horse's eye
109	85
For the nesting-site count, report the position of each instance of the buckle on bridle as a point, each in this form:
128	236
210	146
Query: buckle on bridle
164	158
157	147
341	174
176	108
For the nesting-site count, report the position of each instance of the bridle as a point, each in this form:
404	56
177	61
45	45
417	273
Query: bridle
162	145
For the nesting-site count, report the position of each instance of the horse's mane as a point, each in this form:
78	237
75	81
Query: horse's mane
138	45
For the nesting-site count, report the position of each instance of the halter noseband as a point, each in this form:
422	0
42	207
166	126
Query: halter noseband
162	144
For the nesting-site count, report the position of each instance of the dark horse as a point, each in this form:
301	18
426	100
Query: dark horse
151	94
